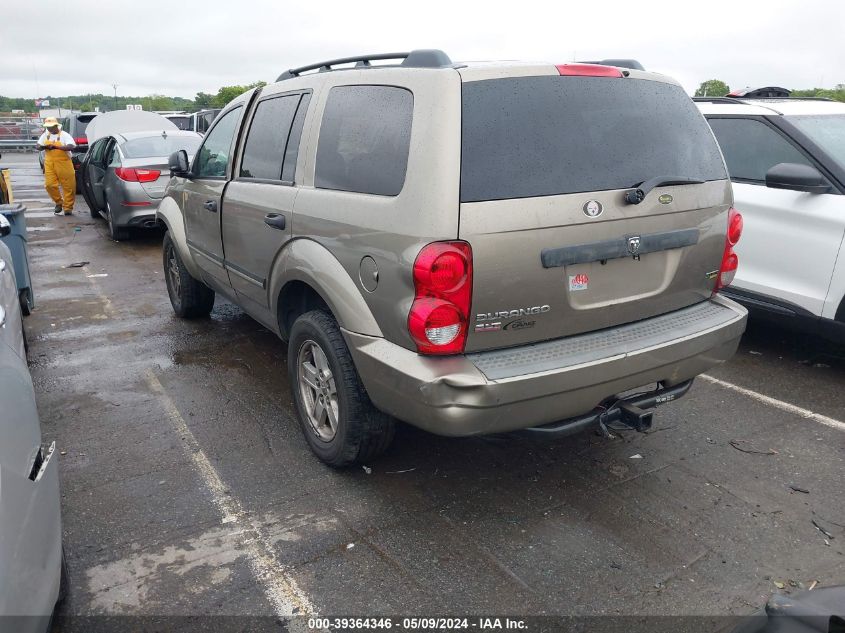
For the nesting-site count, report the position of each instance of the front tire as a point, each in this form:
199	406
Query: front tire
340	423
190	298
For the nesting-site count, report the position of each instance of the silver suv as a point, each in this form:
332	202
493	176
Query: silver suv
469	248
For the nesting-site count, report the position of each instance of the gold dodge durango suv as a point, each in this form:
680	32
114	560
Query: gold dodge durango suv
468	248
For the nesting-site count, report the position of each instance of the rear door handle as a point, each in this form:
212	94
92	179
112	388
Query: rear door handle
275	221
210	205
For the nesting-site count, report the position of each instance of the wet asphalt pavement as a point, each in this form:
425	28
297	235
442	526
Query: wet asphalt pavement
188	488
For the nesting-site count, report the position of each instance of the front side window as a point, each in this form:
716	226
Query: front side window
264	151
751	148
364	140
114	156
826	130
215	153
98	150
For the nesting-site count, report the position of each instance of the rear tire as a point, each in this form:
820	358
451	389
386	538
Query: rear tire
190	298
344	427
24	299
117	233
64	580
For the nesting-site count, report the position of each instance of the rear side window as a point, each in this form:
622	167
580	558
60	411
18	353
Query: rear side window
541	136
264	152
364	140
82	122
751	148
182	122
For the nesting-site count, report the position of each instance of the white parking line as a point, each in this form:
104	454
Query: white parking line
778	404
280	588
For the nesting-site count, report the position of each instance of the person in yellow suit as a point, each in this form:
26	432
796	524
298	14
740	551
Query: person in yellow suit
58	167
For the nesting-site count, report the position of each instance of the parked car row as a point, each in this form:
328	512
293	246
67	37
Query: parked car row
195	121
125	171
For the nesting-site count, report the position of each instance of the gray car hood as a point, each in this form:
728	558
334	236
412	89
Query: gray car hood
121	121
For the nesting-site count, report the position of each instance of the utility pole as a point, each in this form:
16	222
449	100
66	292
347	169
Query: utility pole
115	95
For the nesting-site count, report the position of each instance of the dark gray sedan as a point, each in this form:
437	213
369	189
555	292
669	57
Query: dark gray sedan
124	176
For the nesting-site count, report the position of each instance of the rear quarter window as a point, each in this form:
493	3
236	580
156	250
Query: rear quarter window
540	136
364	140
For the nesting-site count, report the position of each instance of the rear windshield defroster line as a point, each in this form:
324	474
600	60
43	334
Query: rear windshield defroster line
526	137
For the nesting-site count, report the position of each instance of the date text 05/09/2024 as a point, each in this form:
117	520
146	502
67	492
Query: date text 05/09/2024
417	623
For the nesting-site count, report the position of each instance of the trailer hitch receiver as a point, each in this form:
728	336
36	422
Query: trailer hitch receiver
636	418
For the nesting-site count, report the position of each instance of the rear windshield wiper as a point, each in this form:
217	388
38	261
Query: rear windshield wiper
638	194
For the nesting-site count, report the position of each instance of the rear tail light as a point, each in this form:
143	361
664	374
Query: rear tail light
81	140
588	70
131	174
730	262
439	317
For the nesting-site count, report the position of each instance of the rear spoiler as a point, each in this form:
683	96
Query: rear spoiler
633	64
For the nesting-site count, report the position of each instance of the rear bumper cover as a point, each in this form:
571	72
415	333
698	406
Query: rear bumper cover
543	383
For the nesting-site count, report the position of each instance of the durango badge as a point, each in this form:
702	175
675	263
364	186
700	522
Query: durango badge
593	208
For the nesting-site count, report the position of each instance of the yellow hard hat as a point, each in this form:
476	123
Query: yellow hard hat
50	121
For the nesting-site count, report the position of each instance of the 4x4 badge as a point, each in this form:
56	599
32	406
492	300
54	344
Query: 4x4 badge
593	208
666	198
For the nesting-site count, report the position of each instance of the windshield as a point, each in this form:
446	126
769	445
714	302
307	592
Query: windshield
160	146
543	136
825	130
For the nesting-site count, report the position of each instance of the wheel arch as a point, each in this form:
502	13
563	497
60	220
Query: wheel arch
307	276
170	215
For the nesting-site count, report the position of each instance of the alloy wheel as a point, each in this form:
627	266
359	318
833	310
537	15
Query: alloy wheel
318	390
173	272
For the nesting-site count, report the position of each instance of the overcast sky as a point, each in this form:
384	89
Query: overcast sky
60	47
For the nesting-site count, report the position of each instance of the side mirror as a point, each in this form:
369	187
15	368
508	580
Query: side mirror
179	164
5	226
797	178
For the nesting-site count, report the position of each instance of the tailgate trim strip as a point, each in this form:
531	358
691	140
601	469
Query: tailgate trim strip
617	248
603	345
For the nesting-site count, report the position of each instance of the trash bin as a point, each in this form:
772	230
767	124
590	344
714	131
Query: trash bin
17	243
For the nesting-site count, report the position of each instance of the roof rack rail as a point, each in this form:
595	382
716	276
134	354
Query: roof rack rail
420	58
750	100
718	100
633	64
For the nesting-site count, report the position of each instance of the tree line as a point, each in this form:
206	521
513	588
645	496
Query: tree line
202	100
718	88
106	103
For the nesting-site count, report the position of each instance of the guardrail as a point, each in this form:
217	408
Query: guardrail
24	144
18	132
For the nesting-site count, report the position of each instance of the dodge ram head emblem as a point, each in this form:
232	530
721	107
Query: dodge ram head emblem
593	208
634	245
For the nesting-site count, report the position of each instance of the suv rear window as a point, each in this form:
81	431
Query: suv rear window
364	140
82	121
542	136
